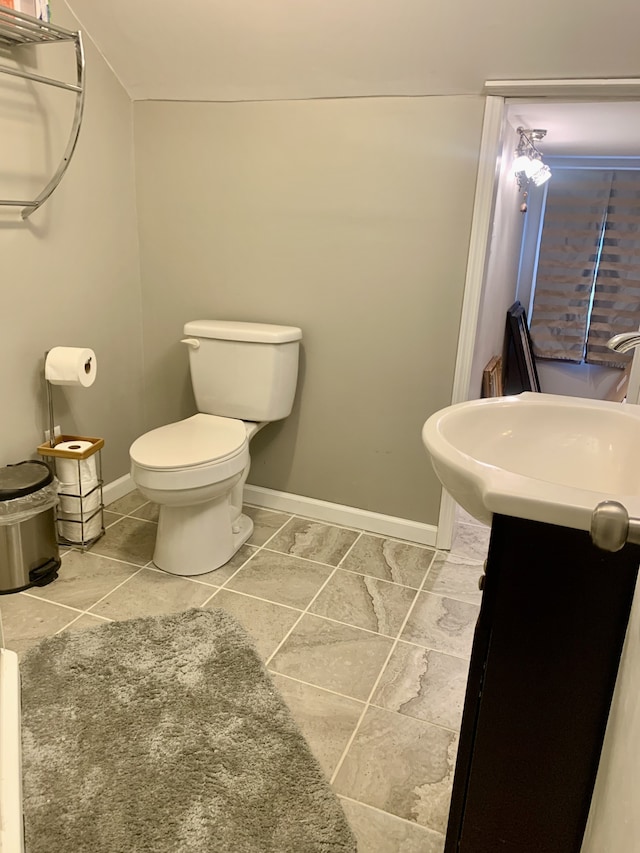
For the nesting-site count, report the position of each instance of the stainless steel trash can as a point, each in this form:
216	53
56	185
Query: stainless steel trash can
29	553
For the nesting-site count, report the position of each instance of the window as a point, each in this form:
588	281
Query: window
587	282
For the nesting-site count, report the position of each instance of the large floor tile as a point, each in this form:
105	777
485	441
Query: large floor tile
82	623
150	593
266	622
218	576
424	684
471	542
128	503
83	578
327	721
463	517
314	540
443	624
25	620
454	578
337	657
400	765
379	832
389	560
280	578
130	540
265	523
148	511
365	602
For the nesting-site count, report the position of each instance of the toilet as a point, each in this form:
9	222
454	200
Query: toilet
244	376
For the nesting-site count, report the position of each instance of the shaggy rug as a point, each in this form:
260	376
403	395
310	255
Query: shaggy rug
166	735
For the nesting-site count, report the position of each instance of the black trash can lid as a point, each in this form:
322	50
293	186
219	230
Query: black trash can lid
23	478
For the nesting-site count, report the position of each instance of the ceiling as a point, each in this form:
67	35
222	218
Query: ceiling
610	128
268	49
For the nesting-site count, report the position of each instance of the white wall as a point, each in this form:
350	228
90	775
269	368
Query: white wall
70	274
502	267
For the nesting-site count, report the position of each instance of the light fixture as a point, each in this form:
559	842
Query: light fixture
528	166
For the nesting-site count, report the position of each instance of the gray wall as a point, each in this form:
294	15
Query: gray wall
69	275
349	218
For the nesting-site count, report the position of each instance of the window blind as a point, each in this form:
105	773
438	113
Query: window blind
574	218
616	301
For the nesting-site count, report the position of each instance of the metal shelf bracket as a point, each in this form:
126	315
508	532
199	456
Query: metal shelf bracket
17	29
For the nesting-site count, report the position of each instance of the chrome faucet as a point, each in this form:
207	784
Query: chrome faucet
624	342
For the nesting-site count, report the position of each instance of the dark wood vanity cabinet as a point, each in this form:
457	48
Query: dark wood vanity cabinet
543	669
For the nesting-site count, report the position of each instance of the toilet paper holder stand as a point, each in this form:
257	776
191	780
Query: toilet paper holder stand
88	514
51	453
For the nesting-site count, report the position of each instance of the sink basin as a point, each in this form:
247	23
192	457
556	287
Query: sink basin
538	456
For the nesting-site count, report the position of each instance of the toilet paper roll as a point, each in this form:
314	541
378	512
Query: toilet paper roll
70	472
73	505
70	366
69	527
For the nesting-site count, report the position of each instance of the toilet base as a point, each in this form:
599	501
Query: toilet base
193	540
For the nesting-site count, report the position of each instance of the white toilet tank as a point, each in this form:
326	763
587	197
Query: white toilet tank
243	370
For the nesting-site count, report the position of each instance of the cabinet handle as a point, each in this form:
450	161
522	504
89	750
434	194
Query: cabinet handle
611	527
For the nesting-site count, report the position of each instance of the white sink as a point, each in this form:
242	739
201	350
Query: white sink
537	456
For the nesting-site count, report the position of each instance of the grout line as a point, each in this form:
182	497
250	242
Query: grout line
27	594
306	610
113	523
79	616
275	532
377	681
349	550
258	598
115	559
299	557
359	530
223	585
297	622
361	701
413	717
146	520
364	532
88	612
427	829
376	578
315	686
335	621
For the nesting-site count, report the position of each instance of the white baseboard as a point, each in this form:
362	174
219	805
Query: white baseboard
347	516
117	489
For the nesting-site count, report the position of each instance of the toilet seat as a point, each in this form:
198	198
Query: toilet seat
197	451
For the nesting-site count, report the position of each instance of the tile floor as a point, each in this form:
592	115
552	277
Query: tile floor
367	638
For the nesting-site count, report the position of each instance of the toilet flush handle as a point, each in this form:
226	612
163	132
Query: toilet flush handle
192	342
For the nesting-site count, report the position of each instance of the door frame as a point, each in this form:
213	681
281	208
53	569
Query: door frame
497	92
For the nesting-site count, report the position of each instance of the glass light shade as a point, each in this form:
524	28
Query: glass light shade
520	164
533	166
541	176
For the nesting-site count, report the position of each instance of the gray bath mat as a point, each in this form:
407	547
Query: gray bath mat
166	735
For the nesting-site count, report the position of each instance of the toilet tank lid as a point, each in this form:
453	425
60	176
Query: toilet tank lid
229	330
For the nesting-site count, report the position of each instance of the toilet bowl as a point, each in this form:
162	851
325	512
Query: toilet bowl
243	377
192	469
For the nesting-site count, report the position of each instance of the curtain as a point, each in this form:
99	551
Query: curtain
574	218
